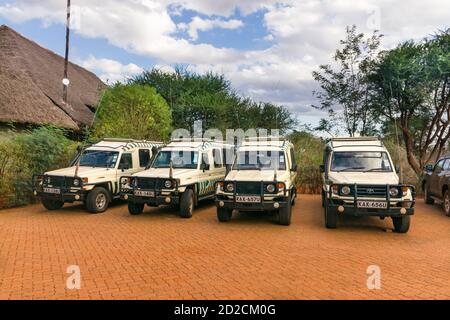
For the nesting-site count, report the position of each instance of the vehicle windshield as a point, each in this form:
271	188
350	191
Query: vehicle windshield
260	160
99	159
180	159
361	162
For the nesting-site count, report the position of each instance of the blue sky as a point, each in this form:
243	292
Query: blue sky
267	48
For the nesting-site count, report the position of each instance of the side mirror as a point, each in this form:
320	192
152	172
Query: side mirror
294	168
322	168
124	166
228	169
429	168
204	167
79	148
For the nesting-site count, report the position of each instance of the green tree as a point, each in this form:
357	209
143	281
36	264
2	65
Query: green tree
410	88
211	99
344	90
132	111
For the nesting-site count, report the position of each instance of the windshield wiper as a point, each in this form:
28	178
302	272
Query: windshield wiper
375	169
352	168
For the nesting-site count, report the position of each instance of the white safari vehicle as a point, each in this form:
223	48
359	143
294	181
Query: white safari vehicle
262	178
359	179
182	173
94	175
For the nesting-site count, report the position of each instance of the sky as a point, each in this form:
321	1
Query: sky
268	49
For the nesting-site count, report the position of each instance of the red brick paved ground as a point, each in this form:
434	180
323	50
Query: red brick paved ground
160	256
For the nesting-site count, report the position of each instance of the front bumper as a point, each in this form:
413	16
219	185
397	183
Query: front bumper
348	205
160	196
66	193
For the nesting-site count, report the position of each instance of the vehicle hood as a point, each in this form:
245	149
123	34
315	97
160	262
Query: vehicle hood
165	173
82	172
368	178
256	175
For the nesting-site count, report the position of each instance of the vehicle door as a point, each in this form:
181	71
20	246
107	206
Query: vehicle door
442	178
126	167
206	174
435	178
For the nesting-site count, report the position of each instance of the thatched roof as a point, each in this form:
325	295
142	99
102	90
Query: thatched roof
31	85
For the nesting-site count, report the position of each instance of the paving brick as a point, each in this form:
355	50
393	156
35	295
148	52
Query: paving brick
160	256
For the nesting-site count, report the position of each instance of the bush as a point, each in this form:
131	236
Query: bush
309	155
132	111
23	155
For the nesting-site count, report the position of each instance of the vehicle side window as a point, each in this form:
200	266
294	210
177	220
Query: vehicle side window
439	165
446	164
126	161
217	154
293	161
144	157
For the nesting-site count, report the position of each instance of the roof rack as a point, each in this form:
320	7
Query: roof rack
266	138
347	141
344	139
193	139
128	140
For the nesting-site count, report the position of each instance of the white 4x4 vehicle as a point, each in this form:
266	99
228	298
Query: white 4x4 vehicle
94	175
359	179
181	174
262	178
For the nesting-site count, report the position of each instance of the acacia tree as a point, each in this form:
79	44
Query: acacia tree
410	88
344	88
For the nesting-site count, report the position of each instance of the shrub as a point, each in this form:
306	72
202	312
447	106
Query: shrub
309	155
132	111
21	156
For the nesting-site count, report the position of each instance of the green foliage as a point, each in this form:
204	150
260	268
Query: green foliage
344	88
410	88
132	111
309	154
211	99
23	155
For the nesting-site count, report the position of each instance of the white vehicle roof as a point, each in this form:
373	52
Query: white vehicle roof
265	143
356	144
195	145
123	144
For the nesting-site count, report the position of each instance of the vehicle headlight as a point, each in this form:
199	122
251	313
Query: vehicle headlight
346	190
271	188
393	192
230	187
168	184
76	182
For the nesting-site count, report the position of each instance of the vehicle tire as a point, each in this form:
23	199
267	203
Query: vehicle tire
294	192
428	199
52	204
97	201
135	208
401	224
187	204
224	214
285	215
446	203
330	218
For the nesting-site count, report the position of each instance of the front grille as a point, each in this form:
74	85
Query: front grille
147	183
252	188
54	181
372	191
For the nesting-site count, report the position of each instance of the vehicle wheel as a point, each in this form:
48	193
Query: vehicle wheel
52	204
294	198
428	199
224	215
97	200
285	215
187	204
401	224
135	208
446	203
330	218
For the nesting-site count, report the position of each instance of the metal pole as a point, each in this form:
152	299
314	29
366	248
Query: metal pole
66	61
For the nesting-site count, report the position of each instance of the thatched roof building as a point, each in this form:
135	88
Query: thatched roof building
31	85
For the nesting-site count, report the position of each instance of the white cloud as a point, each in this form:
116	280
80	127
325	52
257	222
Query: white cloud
198	24
111	71
301	34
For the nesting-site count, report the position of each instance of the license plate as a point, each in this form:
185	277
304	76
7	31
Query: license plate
52	190
372	204
248	199
142	193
